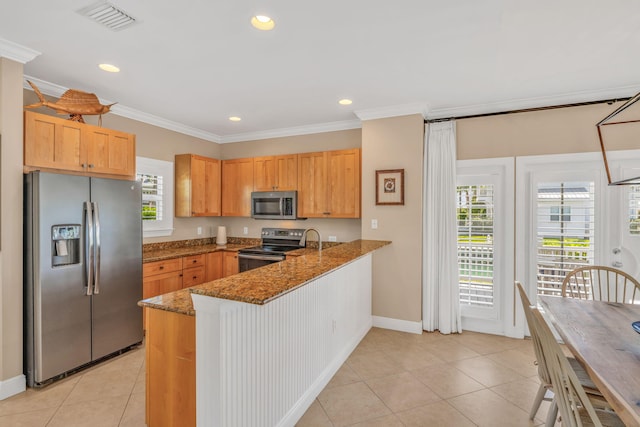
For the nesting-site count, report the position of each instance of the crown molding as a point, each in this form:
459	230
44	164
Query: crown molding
52	89
16	52
392	111
536	102
293	131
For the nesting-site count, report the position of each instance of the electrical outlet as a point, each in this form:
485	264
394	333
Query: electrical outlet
374	223
245	230
199	231
333	239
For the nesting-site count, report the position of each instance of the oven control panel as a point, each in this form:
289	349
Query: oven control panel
282	233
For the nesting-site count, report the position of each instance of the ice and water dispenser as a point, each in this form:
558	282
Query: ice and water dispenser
65	244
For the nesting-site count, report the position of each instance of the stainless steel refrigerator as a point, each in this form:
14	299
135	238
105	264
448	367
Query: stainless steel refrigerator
83	271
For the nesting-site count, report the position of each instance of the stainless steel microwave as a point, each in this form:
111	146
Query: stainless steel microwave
274	204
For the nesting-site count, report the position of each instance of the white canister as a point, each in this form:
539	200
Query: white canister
221	237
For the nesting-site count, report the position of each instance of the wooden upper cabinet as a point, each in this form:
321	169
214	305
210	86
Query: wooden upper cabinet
197	190
343	172
59	144
237	179
329	184
275	173
312	185
50	142
110	151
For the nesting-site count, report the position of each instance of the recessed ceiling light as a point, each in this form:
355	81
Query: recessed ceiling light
109	68
235	118
262	22
345	101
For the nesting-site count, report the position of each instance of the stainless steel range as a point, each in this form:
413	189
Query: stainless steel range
276	242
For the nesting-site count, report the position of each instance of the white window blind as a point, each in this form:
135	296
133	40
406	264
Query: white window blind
475	213
156	177
152	192
565	231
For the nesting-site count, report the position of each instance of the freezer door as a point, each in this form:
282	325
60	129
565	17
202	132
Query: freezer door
117	319
58	311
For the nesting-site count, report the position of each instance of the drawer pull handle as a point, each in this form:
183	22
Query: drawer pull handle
162	267
194	261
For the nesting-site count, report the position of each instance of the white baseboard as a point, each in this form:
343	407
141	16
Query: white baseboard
397	324
12	386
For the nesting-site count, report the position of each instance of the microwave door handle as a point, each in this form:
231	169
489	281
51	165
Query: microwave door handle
281	206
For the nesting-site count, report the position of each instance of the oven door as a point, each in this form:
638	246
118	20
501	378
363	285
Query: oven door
251	261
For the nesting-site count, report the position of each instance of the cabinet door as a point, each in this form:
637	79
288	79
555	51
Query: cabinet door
109	152
197	189
212	177
237	179
343	190
230	264
312	188
264	174
214	266
286	172
51	142
161	284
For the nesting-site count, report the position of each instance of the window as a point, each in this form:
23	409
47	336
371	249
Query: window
555	213
157	196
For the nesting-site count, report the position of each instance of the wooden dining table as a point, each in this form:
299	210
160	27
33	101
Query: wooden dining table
600	336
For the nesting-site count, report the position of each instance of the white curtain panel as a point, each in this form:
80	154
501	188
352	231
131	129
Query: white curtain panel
440	281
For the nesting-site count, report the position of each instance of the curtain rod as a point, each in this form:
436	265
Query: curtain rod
528	110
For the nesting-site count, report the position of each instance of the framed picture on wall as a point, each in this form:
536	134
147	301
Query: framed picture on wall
390	187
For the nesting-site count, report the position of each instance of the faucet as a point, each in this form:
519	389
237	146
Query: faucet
303	240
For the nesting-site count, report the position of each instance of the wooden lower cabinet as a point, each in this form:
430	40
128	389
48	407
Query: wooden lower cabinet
230	264
214	266
170	369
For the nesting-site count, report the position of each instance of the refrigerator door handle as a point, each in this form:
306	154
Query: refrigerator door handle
89	247
96	274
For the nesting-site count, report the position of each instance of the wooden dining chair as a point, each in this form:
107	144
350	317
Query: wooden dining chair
543	373
601	283
573	403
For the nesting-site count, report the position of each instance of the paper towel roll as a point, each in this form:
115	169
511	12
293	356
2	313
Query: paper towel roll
221	237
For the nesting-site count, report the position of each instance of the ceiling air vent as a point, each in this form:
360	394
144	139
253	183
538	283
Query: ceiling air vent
108	15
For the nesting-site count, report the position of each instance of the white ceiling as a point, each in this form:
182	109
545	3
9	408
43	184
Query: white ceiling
191	64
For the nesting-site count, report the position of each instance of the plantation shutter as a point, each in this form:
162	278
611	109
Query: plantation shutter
565	231
475	212
152	194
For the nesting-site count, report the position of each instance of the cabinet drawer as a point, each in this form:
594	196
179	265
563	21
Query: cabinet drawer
194	261
193	276
165	266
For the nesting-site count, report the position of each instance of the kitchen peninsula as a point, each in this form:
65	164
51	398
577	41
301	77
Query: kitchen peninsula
268	340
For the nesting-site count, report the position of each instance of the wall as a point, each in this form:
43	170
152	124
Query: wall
157	143
395	143
344	230
556	131
11	227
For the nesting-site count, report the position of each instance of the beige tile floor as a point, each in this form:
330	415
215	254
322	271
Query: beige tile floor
108	395
398	379
391	379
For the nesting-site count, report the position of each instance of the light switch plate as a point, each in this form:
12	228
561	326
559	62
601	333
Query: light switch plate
374	223
199	231
245	230
333	239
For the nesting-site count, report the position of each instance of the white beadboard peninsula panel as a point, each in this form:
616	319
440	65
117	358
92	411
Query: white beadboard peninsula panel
263	365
